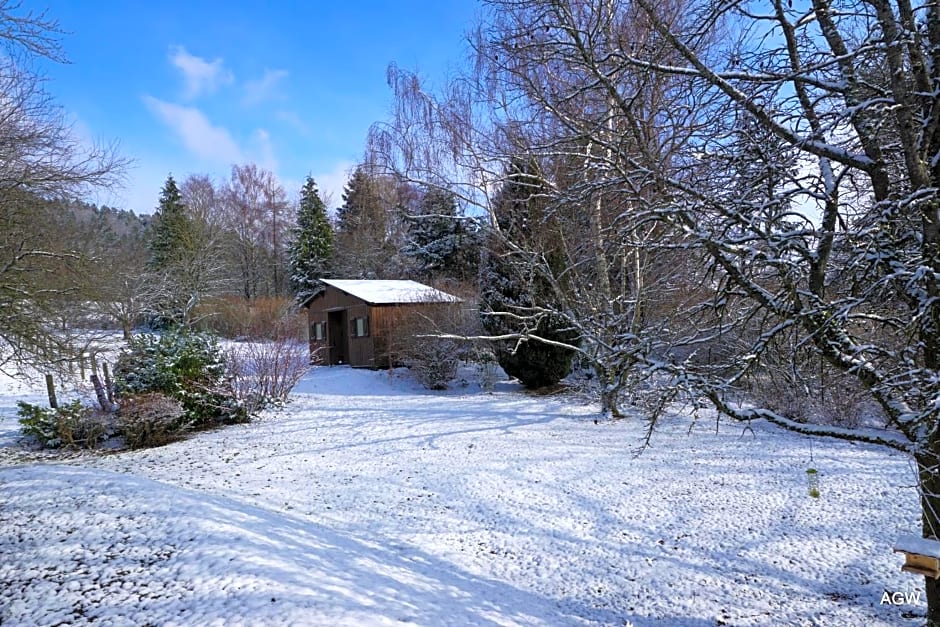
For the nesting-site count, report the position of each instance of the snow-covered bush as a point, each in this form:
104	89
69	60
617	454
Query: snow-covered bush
73	425
487	368
424	341
433	361
264	372
151	419
189	367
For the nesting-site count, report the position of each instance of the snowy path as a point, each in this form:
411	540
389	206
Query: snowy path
368	501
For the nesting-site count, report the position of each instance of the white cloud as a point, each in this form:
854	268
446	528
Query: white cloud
201	76
331	183
199	136
265	88
265	150
294	121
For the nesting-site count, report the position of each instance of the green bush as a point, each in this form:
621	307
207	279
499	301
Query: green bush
39	423
188	367
71	426
151	419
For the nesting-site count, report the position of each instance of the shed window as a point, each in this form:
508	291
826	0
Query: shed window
360	327
318	331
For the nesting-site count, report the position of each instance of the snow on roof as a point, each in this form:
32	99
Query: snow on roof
377	292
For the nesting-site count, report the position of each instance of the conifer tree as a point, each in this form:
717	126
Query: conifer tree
175	245
368	226
312	243
515	297
441	242
171	227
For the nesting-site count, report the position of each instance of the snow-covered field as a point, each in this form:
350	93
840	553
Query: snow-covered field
368	501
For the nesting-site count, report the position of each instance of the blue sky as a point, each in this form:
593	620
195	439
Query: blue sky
193	87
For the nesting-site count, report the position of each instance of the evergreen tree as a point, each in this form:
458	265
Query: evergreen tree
312	243
369	228
513	282
171	228
174	244
441	242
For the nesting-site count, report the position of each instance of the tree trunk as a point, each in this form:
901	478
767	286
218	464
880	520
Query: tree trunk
928	465
609	393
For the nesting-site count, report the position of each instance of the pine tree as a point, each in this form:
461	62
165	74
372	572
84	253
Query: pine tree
513	281
441	242
171	227
312	243
362	209
173	243
368	227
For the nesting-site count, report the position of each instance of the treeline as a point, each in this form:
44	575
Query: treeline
212	251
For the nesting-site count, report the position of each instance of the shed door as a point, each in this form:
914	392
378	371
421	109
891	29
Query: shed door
338	337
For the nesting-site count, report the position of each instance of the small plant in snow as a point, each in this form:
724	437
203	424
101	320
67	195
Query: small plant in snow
73	425
39	423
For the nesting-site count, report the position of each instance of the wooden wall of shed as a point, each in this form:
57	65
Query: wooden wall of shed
394	322
331	299
385	322
361	349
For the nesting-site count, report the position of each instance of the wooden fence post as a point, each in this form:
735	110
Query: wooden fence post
50	389
107	381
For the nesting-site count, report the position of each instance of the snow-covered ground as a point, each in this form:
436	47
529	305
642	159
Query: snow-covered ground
370	501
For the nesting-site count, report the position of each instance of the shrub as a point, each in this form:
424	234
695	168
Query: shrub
151	419
71	426
433	361
419	341
189	367
265	372
39	423
487	368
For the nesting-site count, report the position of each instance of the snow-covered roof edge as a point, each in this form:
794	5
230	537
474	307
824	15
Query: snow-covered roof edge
387	292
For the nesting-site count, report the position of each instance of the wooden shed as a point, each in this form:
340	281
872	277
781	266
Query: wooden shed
351	321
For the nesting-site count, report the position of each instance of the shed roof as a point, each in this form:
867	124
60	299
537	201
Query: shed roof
378	292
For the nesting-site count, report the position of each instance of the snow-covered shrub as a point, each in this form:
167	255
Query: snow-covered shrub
151	419
264	372
73	425
433	361
422	338
487	369
39	423
189	367
797	384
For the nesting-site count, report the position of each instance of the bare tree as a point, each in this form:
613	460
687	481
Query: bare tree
255	205
40	159
842	254
203	272
547	90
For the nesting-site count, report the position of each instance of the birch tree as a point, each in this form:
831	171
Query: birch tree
545	88
256	208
